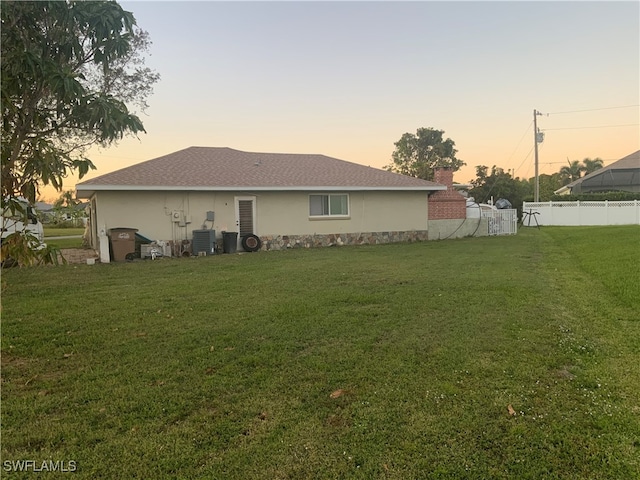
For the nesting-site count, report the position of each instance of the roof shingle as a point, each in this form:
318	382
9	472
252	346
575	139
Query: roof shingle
629	162
226	168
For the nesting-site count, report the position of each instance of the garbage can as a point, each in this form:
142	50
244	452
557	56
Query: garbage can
123	243
229	242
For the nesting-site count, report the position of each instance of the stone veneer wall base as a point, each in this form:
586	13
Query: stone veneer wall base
282	242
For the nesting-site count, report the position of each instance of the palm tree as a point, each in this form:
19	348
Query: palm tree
592	165
572	172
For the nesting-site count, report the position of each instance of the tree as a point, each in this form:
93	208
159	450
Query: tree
65	208
548	185
571	172
70	72
417	155
498	184
576	168
591	166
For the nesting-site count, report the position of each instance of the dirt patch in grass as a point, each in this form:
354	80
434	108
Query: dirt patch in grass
79	255
564	373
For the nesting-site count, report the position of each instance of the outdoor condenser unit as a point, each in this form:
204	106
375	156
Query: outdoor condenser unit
203	241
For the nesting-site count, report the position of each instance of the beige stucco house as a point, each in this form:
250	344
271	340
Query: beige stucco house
285	200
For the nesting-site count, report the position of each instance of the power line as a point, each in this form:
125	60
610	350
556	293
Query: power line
592	109
520	141
524	160
606	160
595	126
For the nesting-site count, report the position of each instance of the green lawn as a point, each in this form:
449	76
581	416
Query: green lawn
60	232
65	243
63	232
514	357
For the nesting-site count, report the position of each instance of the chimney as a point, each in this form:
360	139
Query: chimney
443	176
446	204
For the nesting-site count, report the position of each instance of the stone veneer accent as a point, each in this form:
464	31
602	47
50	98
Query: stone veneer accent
282	242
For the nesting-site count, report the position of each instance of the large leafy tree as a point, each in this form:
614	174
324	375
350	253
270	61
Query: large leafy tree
548	185
498	184
417	155
71	72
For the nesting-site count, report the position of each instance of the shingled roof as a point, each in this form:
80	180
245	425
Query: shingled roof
215	168
623	174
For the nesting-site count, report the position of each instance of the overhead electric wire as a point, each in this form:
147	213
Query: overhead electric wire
518	145
524	160
515	170
603	159
594	126
592	110
520	141
496	180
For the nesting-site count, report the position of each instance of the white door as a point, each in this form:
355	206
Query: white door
245	217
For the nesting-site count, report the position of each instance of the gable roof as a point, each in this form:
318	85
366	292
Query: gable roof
215	168
621	173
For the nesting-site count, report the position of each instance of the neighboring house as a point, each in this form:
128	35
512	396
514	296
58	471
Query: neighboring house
51	214
286	200
45	211
623	175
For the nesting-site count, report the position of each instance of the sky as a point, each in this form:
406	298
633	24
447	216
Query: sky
348	79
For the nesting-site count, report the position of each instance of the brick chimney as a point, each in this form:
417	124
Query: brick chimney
446	204
443	176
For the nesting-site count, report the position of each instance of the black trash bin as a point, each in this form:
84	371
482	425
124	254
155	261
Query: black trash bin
229	242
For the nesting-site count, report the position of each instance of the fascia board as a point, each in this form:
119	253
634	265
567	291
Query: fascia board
333	188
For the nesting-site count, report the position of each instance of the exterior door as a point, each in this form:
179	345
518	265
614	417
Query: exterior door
245	216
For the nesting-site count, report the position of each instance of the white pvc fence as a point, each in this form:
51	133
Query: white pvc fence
581	213
501	222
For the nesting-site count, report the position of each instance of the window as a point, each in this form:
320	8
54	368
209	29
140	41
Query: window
329	205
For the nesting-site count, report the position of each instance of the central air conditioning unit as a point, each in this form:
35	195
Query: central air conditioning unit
204	242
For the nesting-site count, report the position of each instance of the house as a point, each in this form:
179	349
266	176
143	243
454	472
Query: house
284	200
50	214
45	211
623	175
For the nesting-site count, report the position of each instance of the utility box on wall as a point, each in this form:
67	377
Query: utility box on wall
203	241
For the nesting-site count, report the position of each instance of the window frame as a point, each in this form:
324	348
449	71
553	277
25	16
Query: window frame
329	215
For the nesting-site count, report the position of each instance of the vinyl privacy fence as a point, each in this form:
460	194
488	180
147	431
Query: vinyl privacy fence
581	213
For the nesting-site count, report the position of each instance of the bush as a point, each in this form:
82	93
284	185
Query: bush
24	249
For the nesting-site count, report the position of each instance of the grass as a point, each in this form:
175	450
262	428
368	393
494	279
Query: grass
63	242
514	357
60	232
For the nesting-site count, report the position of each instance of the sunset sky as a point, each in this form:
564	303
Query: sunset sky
347	79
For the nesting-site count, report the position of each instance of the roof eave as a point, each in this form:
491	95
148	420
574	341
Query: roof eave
562	190
86	190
